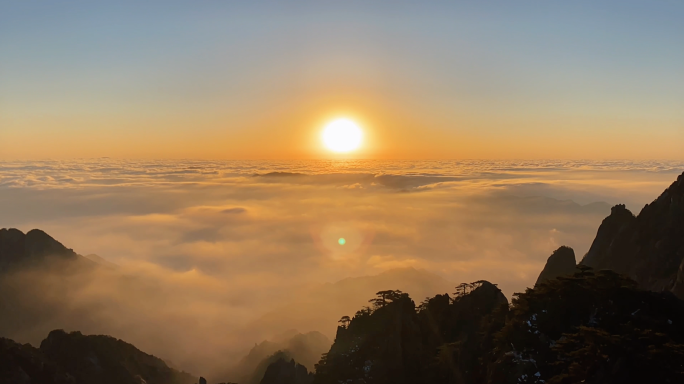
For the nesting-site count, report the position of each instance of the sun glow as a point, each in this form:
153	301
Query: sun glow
342	135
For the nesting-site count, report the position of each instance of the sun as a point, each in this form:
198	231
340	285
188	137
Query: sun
342	135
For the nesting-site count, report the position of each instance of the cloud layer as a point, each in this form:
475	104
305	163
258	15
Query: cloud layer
220	244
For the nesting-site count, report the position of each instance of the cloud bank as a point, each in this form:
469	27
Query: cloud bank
215	246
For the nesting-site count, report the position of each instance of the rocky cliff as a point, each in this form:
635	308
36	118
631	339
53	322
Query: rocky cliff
648	247
560	263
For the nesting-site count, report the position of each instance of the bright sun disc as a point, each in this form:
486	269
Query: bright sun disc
342	135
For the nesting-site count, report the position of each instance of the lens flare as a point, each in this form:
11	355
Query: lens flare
341	240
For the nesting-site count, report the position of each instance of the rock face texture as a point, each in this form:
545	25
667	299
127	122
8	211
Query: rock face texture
560	263
283	372
649	248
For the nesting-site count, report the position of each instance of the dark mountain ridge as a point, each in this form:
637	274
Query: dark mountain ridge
397	342
33	249
649	247
305	348
74	358
284	372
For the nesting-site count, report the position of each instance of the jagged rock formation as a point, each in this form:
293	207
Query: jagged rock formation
73	358
561	263
283	372
649	248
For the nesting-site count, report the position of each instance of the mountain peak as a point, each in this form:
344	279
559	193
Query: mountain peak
18	250
616	226
107	360
283	372
39	244
560	263
620	210
649	248
671	199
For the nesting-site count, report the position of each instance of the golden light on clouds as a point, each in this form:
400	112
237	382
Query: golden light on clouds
342	135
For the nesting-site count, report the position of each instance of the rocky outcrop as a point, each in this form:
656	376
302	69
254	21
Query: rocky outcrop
283	372
560	263
649	248
613	234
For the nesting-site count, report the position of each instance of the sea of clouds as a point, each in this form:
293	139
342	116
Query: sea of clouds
223	242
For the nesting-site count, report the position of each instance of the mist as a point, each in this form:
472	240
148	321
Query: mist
204	259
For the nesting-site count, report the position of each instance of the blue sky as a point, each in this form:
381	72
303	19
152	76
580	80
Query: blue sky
103	75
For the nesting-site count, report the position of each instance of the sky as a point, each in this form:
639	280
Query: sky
259	80
181	142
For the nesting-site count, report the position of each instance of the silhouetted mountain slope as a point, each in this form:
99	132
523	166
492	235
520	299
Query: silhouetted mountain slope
594	328
37	275
19	250
560	263
649	247
614	232
458	331
589	328
21	364
73	358
395	343
306	348
106	360
284	372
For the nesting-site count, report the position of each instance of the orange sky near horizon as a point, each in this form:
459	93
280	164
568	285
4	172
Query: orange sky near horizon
296	135
237	81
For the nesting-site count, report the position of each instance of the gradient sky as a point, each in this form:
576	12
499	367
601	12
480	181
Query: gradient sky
253	80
